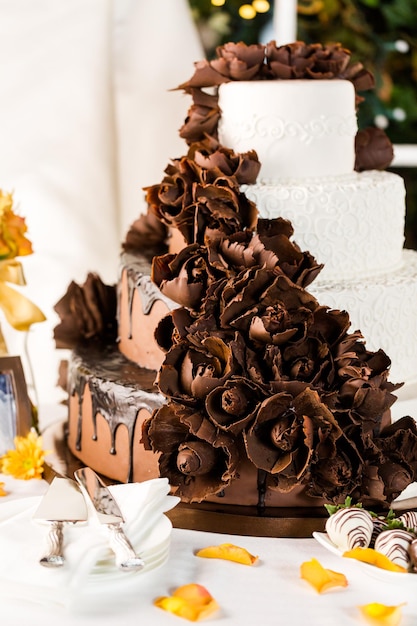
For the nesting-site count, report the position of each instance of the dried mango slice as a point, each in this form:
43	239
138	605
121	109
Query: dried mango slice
373	557
320	578
192	602
228	552
3	492
381	615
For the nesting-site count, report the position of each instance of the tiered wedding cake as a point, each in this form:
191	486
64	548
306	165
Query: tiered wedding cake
266	396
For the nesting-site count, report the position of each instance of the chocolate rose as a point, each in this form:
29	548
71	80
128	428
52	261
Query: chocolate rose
336	469
198	459
219	206
238	252
267	306
173	328
175	192
202	118
291	60
299	60
311	357
309	360
232	406
194	199
285	434
190	372
87	312
244	168
182	277
235	61
364	373
397	444
300	267
374	150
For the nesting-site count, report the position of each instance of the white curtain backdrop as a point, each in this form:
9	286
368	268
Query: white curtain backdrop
86	120
156	44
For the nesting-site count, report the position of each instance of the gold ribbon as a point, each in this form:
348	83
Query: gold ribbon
19	311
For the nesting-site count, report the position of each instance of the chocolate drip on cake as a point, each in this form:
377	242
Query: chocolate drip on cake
262	487
137	272
119	391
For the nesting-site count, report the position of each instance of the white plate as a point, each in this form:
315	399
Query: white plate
21	541
154	551
372	570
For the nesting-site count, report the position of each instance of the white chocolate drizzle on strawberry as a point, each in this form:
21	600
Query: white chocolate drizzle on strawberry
395	545
409	519
350	528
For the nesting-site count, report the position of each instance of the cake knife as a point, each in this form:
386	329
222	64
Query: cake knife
62	503
109	514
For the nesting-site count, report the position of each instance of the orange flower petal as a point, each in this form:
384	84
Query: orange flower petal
381	615
3	492
192	602
228	552
373	557
320	578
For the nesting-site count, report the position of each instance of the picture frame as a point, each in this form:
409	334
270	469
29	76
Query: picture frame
15	406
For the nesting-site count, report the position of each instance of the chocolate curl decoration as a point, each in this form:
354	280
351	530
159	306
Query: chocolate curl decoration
232	406
202	119
235	61
189	372
147	235
244	168
374	150
87	312
300	267
196	457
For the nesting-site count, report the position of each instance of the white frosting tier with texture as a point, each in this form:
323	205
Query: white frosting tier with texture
384	308
292	140
353	224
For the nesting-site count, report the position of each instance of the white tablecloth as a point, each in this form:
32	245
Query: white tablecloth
268	593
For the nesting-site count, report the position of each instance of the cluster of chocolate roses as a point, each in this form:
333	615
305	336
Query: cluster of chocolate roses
256	370
255	367
293	61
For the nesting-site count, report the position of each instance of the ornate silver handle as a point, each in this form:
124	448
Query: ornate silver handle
54	556
126	558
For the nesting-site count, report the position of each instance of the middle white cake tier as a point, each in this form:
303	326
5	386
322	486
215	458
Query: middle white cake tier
354	224
384	309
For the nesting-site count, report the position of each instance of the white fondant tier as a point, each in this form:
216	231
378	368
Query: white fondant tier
384	308
353	224
292	140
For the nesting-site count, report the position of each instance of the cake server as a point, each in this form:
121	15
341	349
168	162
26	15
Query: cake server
109	514
62	503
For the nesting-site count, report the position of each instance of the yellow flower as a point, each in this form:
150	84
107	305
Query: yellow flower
3	492
381	615
228	552
192	602
320	578
26	461
13	242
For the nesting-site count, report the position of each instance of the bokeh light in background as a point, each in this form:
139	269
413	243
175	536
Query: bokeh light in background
247	11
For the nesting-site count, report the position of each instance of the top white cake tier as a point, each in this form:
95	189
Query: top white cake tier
297	129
